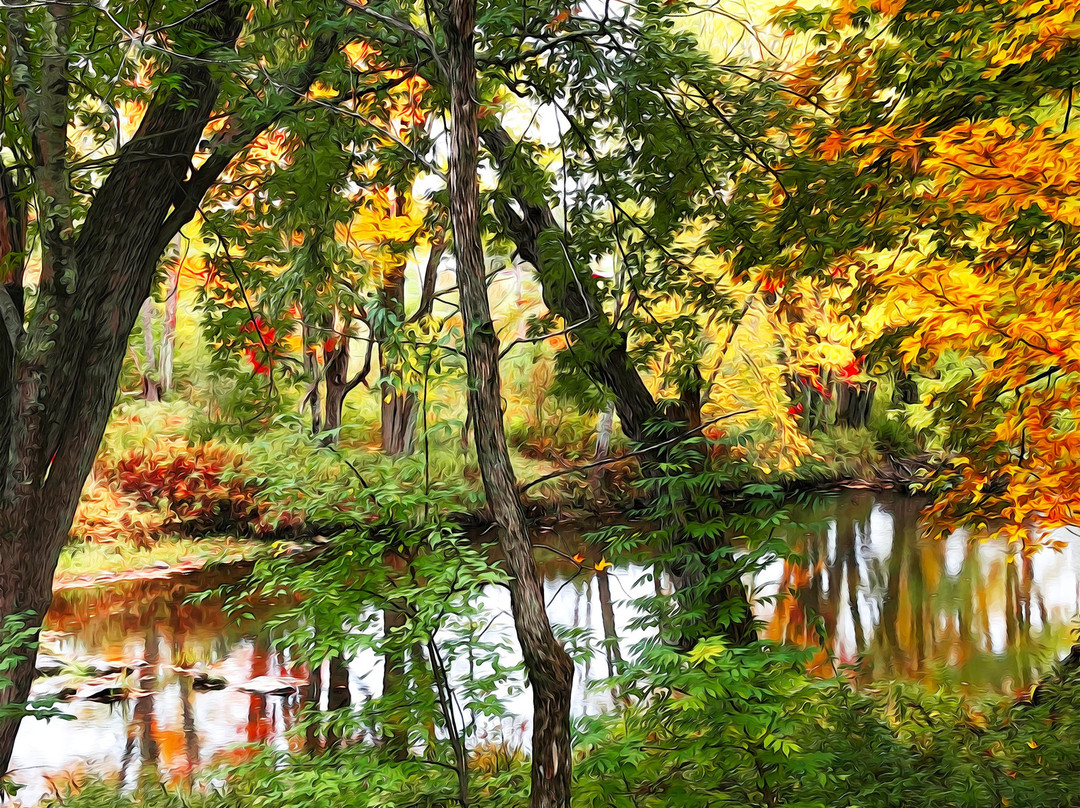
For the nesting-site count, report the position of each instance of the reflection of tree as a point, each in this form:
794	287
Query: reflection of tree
846	539
191	735
258	725
143	713
607	617
813	603
337	694
313	702
915	608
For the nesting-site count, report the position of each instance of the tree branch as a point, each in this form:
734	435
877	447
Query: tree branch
431	273
402	26
645	450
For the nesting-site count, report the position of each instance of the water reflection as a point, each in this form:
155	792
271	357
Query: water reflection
967	611
861	584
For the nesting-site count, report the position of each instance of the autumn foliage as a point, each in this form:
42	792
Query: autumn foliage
169	489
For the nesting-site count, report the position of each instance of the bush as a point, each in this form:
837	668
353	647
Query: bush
172	487
718	726
749	727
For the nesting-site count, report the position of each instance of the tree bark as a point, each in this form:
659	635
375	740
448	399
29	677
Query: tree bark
398	420
607	616
336	372
550	670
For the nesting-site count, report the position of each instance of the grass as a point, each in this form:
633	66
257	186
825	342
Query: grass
88	562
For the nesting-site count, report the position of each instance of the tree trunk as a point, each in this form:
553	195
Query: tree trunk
854	401
398	420
550	670
571	293
336	372
603	449
151	385
168	328
607	616
906	390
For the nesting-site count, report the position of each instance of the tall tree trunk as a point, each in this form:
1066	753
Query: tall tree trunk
603	449
78	335
168	327
550	670
571	293
395	733
151	384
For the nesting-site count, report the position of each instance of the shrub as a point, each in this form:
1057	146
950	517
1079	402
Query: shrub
171	487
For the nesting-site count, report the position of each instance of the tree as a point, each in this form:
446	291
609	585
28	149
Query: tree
98	229
933	181
549	667
342	189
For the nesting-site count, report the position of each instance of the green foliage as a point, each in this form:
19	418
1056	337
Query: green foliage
18	640
719	726
749	727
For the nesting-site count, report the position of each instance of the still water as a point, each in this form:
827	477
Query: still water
882	602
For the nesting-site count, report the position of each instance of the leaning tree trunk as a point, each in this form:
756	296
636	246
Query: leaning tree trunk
571	292
550	670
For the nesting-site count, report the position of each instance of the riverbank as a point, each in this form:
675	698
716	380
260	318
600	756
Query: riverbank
165	499
88	564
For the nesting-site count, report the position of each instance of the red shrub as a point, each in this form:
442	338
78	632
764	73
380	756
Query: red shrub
192	489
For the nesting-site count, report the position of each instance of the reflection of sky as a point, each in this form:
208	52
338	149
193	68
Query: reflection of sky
102	624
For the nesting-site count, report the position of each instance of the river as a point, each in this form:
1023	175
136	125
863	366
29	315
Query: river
883	603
